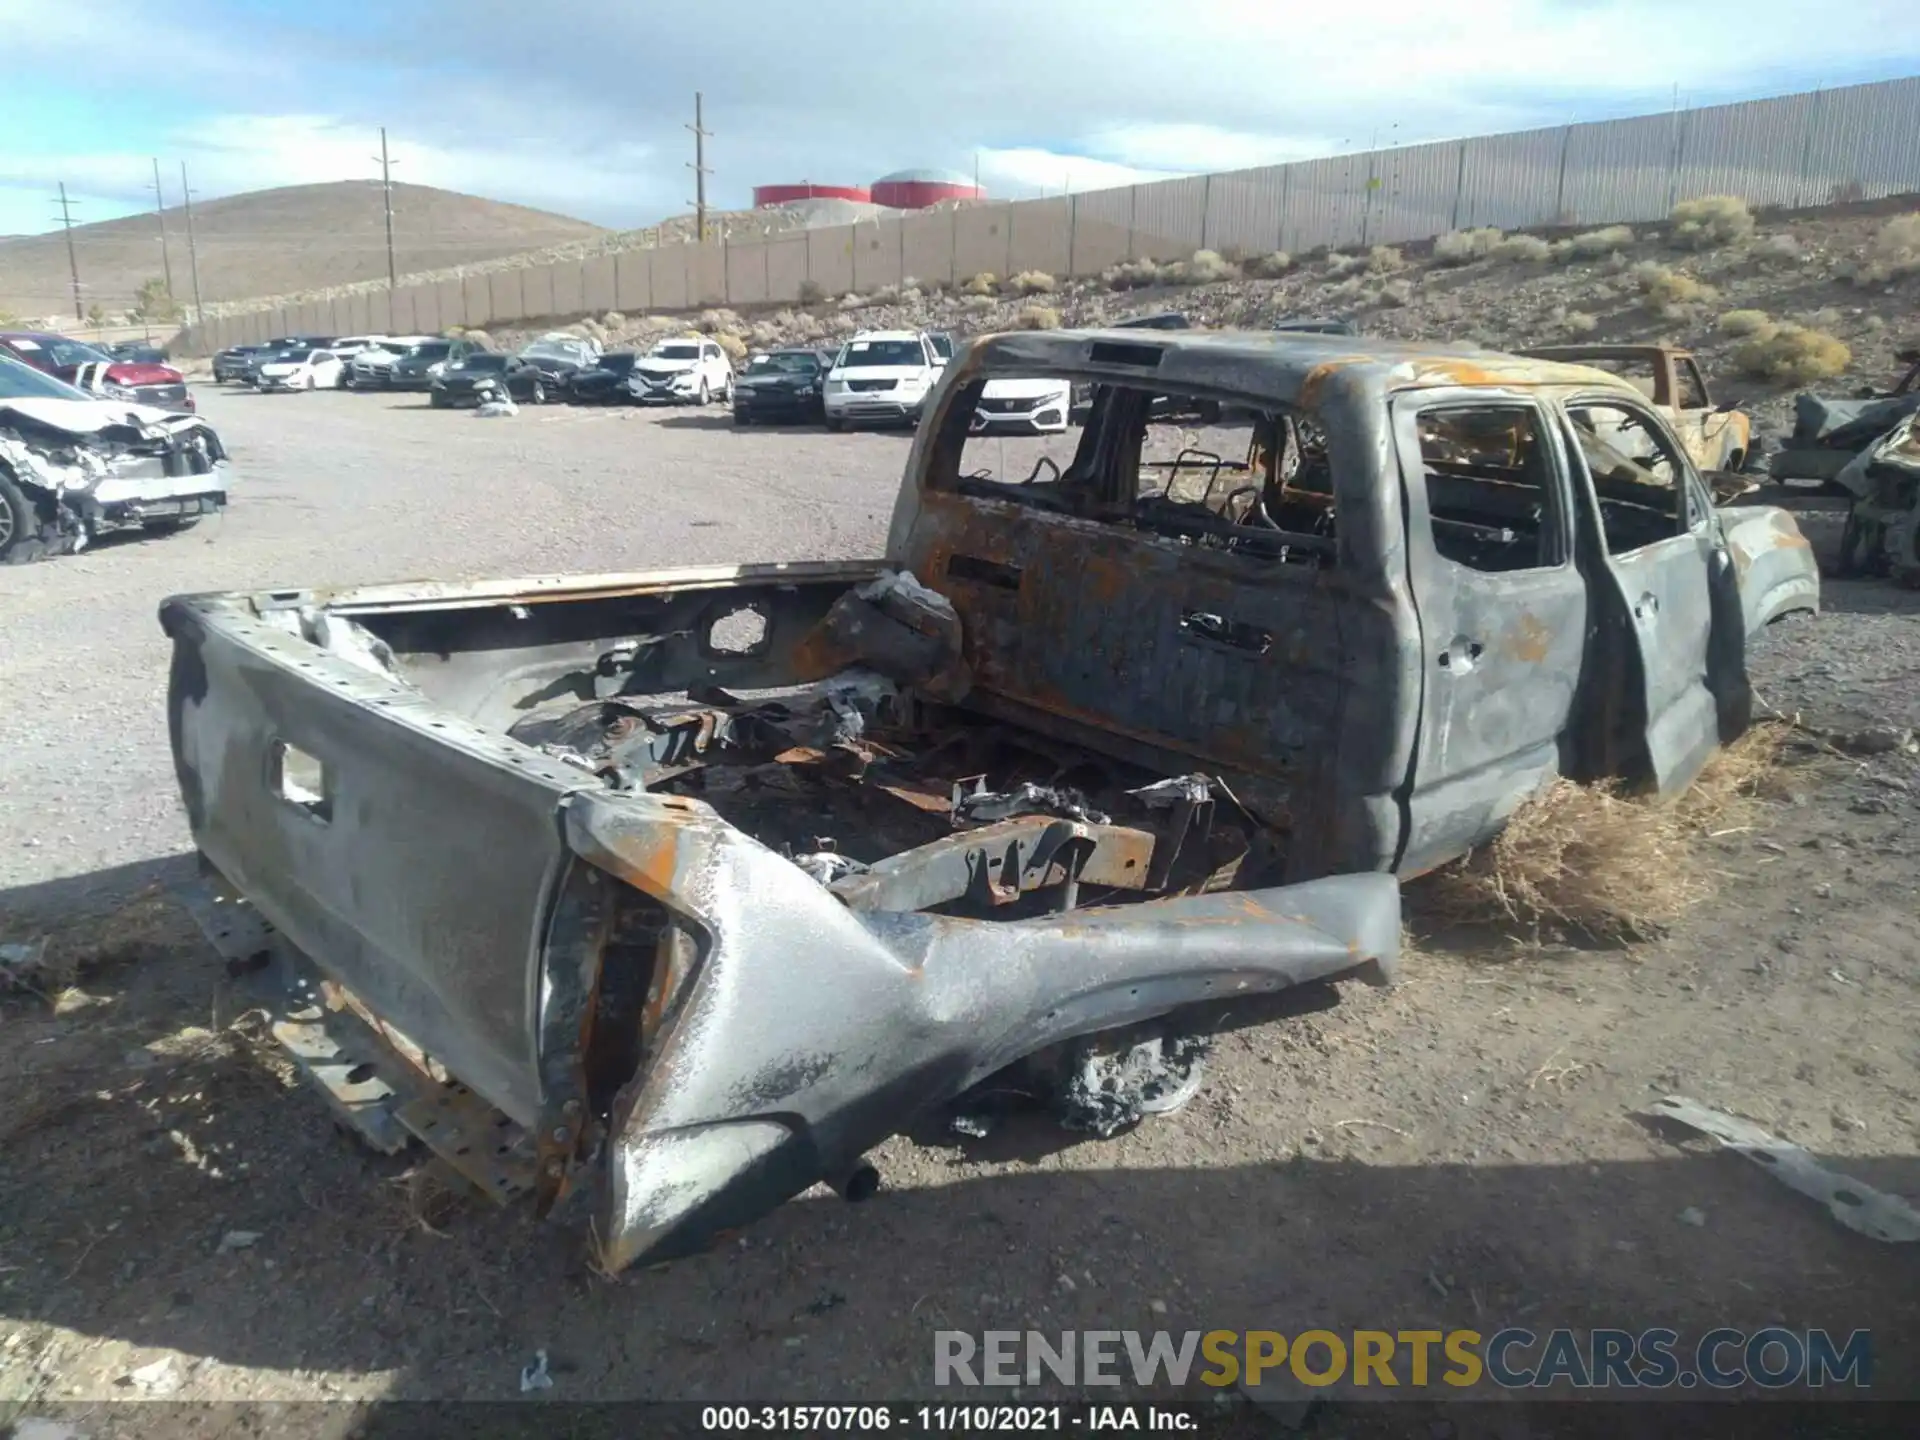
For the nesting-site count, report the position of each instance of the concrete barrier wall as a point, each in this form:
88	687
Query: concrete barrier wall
596	284
786	268
980	242
671	290
1040	237
450	295
633	281
926	243
1805	150
707	274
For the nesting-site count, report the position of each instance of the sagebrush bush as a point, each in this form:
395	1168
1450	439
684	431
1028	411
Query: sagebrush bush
1339	266
1666	290
1580	323
733	344
1394	294
985	283
1746	322
479	337
1793	355
713	321
978	304
1526	249
1384	260
1463	247
1270	266
1594	244
613	320
1777	250
1205	268
1132	275
1711	221
811	293
1037	317
1030	282
1895	251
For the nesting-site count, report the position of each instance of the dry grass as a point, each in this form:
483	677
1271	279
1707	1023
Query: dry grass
1594	244
1579	322
1270	266
1746	322
1132	275
1895	251
1666	290
1463	247
1526	249
1037	317
985	283
1580	859
1206	267
1394	294
733	344
1792	355
1031	282
1711	221
1778	250
480	337
712	322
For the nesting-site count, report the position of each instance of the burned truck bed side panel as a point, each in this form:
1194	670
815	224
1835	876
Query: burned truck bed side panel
411	854
809	1030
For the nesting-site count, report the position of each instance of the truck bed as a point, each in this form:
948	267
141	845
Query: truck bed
707	881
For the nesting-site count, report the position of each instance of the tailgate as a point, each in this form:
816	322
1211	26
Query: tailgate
411	853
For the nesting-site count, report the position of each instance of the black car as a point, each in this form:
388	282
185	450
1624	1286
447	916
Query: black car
483	375
782	385
231	363
605	382
416	369
139	350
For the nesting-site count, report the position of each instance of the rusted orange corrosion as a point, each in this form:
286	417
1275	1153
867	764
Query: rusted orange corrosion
1529	640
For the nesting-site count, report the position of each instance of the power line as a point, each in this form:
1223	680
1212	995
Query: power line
700	170
160	214
193	254
73	260
386	194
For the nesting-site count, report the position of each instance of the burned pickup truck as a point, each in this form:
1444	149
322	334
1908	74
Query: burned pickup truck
74	467
678	892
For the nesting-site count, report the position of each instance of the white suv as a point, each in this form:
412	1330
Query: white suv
675	372
882	376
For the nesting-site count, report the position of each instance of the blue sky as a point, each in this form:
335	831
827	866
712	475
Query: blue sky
579	107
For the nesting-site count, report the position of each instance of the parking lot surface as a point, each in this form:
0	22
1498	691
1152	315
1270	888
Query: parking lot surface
1457	1152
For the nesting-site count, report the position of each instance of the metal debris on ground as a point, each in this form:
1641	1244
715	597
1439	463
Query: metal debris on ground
1693	1215
535	1377
1859	1207
238	1240
20	963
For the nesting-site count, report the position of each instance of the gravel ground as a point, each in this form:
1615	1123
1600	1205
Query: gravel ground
1458	1151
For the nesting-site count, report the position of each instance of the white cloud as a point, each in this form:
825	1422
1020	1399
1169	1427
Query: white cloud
1018	173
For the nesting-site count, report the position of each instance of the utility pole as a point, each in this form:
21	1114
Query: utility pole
193	254
386	191
73	261
160	214
699	168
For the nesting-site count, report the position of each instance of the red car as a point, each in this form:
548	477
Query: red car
98	373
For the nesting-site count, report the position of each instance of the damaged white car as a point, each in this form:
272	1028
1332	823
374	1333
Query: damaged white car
73	467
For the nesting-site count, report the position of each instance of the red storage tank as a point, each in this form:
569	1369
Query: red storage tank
917	189
765	195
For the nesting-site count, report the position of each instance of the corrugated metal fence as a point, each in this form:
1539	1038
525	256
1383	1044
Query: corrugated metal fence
1822	147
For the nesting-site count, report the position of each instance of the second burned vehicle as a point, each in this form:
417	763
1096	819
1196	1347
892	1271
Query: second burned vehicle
700	884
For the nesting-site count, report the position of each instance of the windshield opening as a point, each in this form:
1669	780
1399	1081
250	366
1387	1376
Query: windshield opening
788	364
434	351
20	381
1248	477
882	352
480	362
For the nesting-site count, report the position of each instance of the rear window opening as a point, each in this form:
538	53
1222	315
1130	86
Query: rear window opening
1189	467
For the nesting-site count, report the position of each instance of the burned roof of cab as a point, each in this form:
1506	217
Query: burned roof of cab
1287	366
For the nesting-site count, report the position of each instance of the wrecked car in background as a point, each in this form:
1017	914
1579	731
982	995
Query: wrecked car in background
73	466
1882	534
1830	432
1717	436
93	370
680	891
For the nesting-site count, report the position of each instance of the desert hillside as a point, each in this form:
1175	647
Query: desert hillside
265	242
